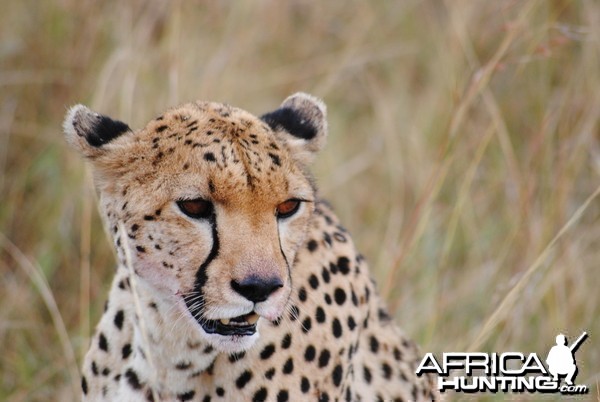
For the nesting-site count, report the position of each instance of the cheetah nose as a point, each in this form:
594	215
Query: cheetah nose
256	289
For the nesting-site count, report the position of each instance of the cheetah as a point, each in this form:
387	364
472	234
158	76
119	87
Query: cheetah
235	280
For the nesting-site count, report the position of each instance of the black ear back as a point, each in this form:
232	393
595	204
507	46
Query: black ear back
292	121
301	123
104	130
95	129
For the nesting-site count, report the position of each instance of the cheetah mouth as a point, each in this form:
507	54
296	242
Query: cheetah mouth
243	325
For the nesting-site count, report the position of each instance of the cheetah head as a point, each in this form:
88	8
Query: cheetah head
208	206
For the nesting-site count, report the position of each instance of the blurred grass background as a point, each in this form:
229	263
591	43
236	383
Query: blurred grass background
464	156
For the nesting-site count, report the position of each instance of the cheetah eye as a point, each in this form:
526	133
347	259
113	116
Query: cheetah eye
197	209
287	208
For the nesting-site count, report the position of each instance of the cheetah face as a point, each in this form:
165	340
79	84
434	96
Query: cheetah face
208	206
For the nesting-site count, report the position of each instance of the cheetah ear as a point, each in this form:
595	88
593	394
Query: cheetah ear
88	131
301	122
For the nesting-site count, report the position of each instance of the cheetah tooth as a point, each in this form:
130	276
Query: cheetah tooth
225	321
252	319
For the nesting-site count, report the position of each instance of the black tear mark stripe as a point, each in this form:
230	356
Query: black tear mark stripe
201	276
287	263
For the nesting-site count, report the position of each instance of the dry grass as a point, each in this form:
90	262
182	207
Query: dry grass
464	156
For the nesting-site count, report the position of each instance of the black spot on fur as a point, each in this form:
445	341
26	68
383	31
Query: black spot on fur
304	385
294	313
337	375
119	317
354	298
324	358
243	379
260	395
374	343
288	367
367	374
267	351
325	275
133	379
270	373
126	351
291	121
234	357
287	341
397	354
102	342
312	245
340	296
283	396
275	159
209	156
310	353
320	315
302	294
183	365
336	327
187	396
162	128
220	391
84	385
343	264
387	371
306	325
383	315
327	239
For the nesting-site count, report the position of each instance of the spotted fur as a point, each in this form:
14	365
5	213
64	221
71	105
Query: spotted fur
194	202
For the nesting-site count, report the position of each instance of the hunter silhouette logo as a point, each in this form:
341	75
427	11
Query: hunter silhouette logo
561	358
508	372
